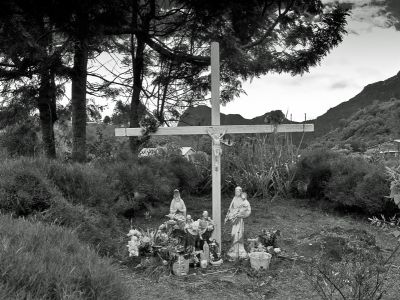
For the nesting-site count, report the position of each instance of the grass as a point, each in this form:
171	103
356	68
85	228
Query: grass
39	261
69	195
304	230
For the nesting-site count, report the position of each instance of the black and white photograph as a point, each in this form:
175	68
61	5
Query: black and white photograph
199	150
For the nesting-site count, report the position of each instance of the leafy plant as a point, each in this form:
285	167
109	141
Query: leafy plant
41	261
263	165
361	274
392	223
349	182
394	175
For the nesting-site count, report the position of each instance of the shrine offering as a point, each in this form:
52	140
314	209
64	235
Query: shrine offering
260	260
263	249
177	242
238	210
181	266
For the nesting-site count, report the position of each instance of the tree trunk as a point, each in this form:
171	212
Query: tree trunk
78	100
135	112
47	112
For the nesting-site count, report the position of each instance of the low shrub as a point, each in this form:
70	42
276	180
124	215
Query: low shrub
184	171
23	189
362	272
103	232
48	262
27	189
314	172
350	182
82	184
358	184
21	139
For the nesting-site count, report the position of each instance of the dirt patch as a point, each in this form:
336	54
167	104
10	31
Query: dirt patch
304	230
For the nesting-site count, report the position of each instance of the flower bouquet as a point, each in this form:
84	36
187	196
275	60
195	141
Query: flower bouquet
141	242
266	242
175	242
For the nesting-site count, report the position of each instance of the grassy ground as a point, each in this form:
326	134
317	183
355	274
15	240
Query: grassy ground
303	231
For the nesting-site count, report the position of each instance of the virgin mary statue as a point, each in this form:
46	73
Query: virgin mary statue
177	205
238	210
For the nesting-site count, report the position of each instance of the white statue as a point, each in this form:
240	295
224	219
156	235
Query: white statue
217	138
177	205
238	210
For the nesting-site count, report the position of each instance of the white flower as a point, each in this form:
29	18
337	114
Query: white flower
146	240
134	232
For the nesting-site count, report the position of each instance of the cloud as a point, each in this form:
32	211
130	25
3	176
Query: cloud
369	14
339	85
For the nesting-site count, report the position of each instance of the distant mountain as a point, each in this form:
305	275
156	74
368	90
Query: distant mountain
362	118
380	91
201	116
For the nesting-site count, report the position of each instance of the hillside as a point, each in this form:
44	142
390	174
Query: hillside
373	128
380	91
375	124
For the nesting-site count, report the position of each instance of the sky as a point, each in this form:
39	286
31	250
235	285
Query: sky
370	52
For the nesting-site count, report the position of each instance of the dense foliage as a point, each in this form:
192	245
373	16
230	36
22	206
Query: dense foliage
368	127
48	262
349	182
160	51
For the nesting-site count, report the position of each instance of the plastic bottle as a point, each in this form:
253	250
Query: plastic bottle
206	251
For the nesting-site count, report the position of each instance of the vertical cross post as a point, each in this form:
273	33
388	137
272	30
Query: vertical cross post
216	158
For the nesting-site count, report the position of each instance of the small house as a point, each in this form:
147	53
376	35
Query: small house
187	152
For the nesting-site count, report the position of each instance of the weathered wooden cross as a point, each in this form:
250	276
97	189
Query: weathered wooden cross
216	131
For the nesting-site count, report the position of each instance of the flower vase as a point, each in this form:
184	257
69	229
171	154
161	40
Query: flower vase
181	266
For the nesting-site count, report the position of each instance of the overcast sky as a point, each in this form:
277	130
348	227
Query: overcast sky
369	53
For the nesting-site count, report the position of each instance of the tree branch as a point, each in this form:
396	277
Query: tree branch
177	56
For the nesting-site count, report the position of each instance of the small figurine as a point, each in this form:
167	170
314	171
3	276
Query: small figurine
206	226
238	210
189	219
177	206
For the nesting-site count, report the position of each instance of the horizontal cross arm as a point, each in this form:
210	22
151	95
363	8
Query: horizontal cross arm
229	129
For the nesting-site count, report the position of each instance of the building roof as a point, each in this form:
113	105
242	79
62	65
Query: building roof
185	150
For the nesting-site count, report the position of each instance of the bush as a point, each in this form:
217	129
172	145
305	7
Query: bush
94	199
185	173
350	182
314	171
20	140
347	172
142	184
27	189
372	190
104	232
82	184
23	189
48	262
357	184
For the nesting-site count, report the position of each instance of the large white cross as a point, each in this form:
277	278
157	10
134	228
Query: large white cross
216	131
